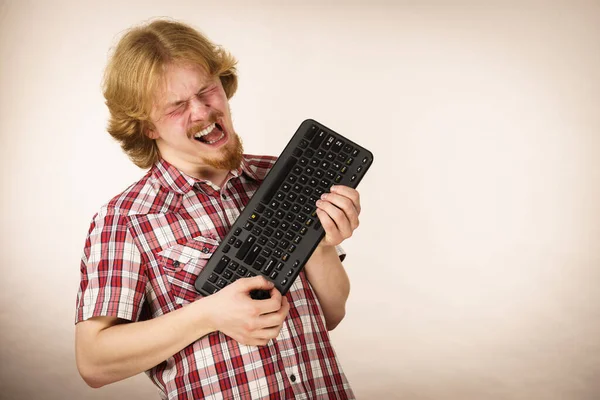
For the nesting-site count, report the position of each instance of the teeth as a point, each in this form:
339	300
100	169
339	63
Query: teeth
205	131
217	139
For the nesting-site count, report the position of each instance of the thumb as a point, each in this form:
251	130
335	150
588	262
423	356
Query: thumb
256	282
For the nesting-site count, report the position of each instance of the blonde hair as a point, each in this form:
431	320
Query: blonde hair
136	69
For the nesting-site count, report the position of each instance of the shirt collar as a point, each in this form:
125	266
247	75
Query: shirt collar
174	180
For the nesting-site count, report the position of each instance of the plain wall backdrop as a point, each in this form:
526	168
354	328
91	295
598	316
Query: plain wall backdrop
475	270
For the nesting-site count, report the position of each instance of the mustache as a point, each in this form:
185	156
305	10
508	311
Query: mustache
213	118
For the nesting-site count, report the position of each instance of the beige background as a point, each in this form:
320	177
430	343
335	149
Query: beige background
475	271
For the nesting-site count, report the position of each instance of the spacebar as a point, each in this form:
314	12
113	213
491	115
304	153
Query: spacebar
274	184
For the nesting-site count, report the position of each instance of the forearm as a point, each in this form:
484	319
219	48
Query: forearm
123	350
330	282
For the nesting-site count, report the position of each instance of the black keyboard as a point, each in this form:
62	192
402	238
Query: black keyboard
278	230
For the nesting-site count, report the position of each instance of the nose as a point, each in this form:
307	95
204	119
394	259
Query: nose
199	110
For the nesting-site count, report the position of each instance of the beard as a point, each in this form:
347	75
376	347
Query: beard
230	156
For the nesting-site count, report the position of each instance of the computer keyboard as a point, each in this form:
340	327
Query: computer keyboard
278	230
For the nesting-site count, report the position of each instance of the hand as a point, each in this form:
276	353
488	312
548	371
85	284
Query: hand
338	212
250	322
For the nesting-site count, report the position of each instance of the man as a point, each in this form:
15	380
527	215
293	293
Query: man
167	89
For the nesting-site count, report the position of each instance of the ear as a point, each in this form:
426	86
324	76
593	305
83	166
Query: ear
152	134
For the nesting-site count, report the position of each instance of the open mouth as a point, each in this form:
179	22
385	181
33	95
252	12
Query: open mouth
211	135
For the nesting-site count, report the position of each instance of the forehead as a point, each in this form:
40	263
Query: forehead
179	82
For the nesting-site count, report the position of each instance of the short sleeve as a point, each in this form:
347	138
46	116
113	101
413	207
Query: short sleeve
112	280
340	252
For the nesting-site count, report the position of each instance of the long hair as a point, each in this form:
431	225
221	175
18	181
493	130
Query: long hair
136	69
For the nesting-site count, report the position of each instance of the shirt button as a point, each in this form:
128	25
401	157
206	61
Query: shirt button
224	197
293	378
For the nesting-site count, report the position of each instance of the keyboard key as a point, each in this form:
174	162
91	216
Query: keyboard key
310	132
348	148
321	153
355	152
237	243
210	289
233	265
237	231
269	267
213	277
337	146
328	142
221	265
226	248
273	275
349	161
248	226
252	254
318	139
297	152
227	274
303	144
245	247
259	263
289	235
260	208
221	283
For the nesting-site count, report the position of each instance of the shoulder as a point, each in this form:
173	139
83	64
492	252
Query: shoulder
141	197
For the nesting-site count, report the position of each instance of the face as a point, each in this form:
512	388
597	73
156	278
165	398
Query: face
192	121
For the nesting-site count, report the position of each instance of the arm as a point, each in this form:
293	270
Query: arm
330	282
338	213
109	349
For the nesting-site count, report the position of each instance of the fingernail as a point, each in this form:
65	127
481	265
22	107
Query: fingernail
318	203
324	196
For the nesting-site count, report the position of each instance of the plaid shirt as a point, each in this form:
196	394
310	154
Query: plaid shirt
142	255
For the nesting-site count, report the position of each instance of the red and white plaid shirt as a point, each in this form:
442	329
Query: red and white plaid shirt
142	255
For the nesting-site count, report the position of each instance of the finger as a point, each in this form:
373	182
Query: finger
349	192
256	282
332	234
345	204
277	317
338	216
268	333
270	305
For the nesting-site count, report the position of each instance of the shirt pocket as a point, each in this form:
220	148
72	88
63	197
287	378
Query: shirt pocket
182	264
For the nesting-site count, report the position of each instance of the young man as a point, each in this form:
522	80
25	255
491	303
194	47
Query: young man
167	89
